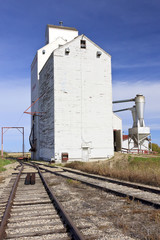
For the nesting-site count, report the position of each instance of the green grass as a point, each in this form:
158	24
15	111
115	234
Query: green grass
4	162
148	163
145	160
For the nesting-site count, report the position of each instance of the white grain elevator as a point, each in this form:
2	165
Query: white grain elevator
71	76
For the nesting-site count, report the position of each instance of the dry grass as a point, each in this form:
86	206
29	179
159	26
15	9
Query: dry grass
136	220
18	154
142	169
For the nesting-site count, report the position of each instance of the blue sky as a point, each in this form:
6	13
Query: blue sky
129	30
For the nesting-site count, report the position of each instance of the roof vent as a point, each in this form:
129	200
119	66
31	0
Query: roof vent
61	23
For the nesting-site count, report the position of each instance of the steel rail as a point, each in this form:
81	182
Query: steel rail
120	182
72	229
75	233
112	191
9	205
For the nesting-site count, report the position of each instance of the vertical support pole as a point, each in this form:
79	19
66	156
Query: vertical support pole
33	127
138	143
2	144
23	140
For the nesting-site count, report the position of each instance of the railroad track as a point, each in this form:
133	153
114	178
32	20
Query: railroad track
138	192
31	211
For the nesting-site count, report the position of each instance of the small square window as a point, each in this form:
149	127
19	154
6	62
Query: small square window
83	43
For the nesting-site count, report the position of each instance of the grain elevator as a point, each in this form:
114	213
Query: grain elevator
71	94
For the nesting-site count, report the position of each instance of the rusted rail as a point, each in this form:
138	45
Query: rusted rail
107	179
9	205
71	227
119	182
75	233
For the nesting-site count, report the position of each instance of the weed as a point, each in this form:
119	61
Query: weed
58	164
4	162
73	182
142	169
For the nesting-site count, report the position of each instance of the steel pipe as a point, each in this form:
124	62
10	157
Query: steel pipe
127	100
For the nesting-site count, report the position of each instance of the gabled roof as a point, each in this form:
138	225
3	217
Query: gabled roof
81	37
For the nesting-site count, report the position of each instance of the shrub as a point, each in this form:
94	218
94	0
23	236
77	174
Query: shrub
155	147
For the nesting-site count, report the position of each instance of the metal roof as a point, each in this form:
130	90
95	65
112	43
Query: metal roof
61	27
125	137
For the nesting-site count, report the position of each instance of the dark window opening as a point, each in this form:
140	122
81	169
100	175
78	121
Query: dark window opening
83	43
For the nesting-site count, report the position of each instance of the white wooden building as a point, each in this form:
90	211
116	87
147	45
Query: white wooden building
72	76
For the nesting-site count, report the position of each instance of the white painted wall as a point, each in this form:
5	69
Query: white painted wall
37	65
117	122
46	105
83	101
79	117
125	144
48	49
53	33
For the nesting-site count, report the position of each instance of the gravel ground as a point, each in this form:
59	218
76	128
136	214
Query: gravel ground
155	198
99	215
5	176
34	221
103	215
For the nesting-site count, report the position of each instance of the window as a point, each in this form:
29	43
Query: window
83	43
99	53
